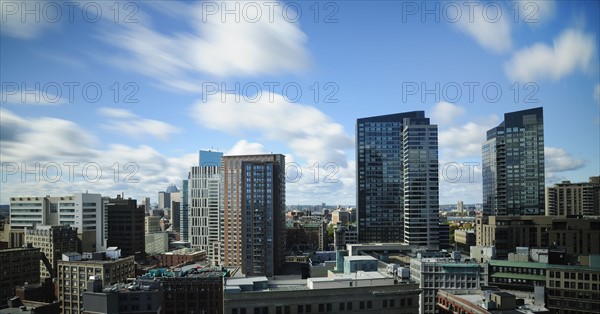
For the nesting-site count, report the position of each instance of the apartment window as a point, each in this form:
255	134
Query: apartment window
369	304
321	308
329	307
349	306
361	305
300	308
342	306
308	308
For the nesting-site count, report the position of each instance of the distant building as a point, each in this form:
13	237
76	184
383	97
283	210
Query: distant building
74	272
464	239
52	241
460	206
574	199
156	243
513	165
340	215
343	235
479	301
152	224
397	179
19	266
126	226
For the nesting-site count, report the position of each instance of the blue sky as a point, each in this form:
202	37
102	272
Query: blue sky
176	77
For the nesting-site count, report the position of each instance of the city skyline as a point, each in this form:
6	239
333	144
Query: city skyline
350	60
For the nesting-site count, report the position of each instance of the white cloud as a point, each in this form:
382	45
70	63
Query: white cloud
37	142
309	133
596	93
218	47
487	25
572	50
14	25
465	140
559	160
124	121
444	113
243	147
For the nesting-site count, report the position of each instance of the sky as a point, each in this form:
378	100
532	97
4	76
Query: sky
118	97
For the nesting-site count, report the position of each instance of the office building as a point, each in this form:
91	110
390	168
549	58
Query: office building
254	213
489	301
460	206
151	224
181	256
204	204
444	273
156	243
52	241
161	200
19	266
574	199
513	165
464	239
184	212
397	173
344	234
83	211
126	226
74	272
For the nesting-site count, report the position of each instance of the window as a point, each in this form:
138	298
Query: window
300	309
329	307
308	308
361	305
321	307
342	306
369	304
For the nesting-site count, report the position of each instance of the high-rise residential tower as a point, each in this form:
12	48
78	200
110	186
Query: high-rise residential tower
204	204
397	173
253	230
513	165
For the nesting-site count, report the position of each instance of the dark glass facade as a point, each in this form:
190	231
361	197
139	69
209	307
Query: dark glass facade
397	179
513	165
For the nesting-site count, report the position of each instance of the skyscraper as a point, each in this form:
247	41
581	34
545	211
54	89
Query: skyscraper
253	230
513	165
184	212
397	173
204	204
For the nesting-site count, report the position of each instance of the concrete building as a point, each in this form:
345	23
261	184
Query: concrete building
343	235
435	273
464	239
84	211
138	297
574	199
126	226
482	253
151	224
444	235
397	179
74	272
360	292
52	241
253	233
513	165
577	236
340	215
460	206
205	204
19	266
156	243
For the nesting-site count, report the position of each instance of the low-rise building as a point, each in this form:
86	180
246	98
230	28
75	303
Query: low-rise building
19	266
358	292
157	243
52	241
137	297
464	239
485	302
74	272
447	273
181	256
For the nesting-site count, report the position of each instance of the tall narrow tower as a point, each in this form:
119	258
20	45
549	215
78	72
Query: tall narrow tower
513	165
